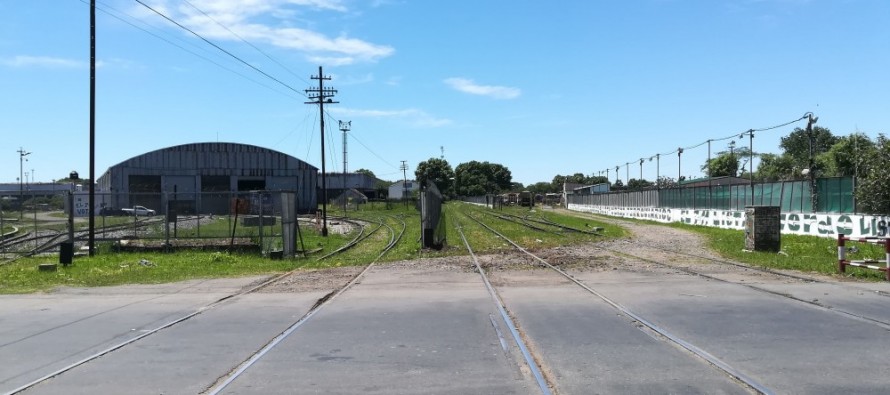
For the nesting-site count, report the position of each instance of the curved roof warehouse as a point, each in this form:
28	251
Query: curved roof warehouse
203	177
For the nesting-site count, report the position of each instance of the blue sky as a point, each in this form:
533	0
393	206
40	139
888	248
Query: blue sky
541	87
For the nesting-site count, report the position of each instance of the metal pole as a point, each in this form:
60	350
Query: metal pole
22	155
751	163
812	173
324	182
404	168
344	127
658	171
322	95
710	175
627	173
679	165
92	232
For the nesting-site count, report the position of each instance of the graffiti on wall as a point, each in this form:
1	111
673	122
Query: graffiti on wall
813	224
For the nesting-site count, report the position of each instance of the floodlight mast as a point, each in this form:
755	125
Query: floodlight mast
22	155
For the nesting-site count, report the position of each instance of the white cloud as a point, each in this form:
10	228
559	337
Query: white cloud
43	62
272	22
469	86
412	116
348	80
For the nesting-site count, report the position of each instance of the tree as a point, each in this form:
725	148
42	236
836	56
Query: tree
636	185
797	144
366	172
873	189
541	187
577	178
774	167
724	165
846	157
479	178
436	170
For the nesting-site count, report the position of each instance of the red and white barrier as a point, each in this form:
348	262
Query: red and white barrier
842	261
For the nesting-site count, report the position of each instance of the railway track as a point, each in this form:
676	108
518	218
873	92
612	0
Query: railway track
21	246
882	322
395	237
224	381
663	334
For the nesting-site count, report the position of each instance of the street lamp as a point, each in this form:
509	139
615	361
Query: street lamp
679	165
22	155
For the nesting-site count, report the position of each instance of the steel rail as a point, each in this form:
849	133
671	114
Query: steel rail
219	386
723	366
511	325
358	238
744	266
144	335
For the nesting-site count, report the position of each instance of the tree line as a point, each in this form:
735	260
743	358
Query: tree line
818	151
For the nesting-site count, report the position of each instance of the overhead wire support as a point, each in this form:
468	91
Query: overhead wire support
320	96
679	150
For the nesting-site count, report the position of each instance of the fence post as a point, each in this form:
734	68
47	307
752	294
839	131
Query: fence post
841	254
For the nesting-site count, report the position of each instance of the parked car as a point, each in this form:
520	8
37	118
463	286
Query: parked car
138	210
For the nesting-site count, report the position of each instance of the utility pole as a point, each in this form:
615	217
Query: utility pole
404	169
710	176
22	155
641	173
811	120
751	162
679	165
442	148
320	96
657	171
92	199
627	173
344	127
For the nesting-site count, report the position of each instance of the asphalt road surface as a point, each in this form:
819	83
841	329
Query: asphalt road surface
426	328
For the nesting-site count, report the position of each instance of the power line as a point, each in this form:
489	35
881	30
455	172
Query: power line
246	42
106	11
220	48
354	137
679	150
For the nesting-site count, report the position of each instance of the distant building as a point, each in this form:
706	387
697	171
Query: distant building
203	177
351	198
397	190
592	189
337	183
715	181
568	188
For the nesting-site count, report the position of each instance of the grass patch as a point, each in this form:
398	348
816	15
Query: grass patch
483	241
803	253
108	268
22	276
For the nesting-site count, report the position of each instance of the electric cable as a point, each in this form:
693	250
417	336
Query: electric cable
220	48
749	131
106	11
355	137
248	43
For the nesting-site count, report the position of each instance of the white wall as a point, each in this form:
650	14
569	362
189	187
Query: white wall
814	224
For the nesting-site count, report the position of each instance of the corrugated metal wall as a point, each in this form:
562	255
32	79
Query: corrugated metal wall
175	164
